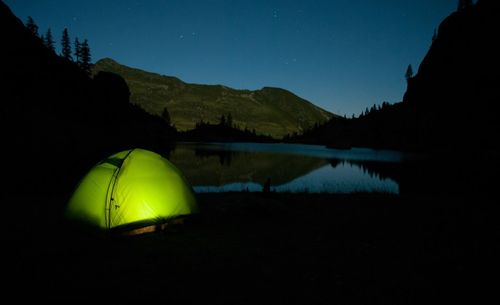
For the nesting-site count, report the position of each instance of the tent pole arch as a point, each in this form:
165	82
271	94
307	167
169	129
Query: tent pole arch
111	191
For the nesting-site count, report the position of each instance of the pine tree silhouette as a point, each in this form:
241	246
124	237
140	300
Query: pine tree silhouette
464	4
229	120
222	120
49	41
31	25
85	56
166	116
78	52
409	73
66	45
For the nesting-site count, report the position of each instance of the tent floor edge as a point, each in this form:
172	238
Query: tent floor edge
159	227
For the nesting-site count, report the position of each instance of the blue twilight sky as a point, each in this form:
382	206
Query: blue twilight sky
342	55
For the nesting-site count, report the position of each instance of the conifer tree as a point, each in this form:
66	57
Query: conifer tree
229	120
49	41
166	116
222	120
66	45
409	73
464	4
78	52
31	25
434	35
85	56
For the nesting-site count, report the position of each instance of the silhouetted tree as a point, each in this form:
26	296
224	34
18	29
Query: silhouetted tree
434	35
222	120
464	4
166	116
49	40
409	73
66	45
229	120
30	25
78	51
267	186
199	124
85	56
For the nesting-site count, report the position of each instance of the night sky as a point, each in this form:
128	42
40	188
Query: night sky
342	55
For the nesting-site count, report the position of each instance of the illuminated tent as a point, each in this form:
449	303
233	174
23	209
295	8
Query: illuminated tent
131	189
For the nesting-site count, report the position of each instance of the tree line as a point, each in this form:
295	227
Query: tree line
80	50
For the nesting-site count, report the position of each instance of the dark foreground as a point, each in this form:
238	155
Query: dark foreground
246	248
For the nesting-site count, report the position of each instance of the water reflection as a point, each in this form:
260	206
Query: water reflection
318	151
292	168
346	177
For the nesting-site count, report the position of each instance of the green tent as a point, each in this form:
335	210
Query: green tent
133	188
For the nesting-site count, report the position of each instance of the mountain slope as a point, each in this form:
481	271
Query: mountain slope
55	121
272	111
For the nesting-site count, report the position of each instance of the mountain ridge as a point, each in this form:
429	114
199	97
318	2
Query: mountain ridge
269	110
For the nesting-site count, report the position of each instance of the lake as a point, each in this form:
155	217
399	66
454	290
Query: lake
223	167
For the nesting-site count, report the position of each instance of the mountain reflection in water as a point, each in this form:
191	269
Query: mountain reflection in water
237	167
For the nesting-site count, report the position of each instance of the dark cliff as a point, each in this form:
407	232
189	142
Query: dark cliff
453	97
450	103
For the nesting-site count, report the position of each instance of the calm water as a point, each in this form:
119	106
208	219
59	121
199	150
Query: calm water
220	167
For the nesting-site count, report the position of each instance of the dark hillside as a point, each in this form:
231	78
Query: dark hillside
55	120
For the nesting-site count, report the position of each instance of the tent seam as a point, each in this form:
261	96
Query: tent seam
111	197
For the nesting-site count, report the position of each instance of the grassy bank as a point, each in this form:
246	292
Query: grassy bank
252	248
